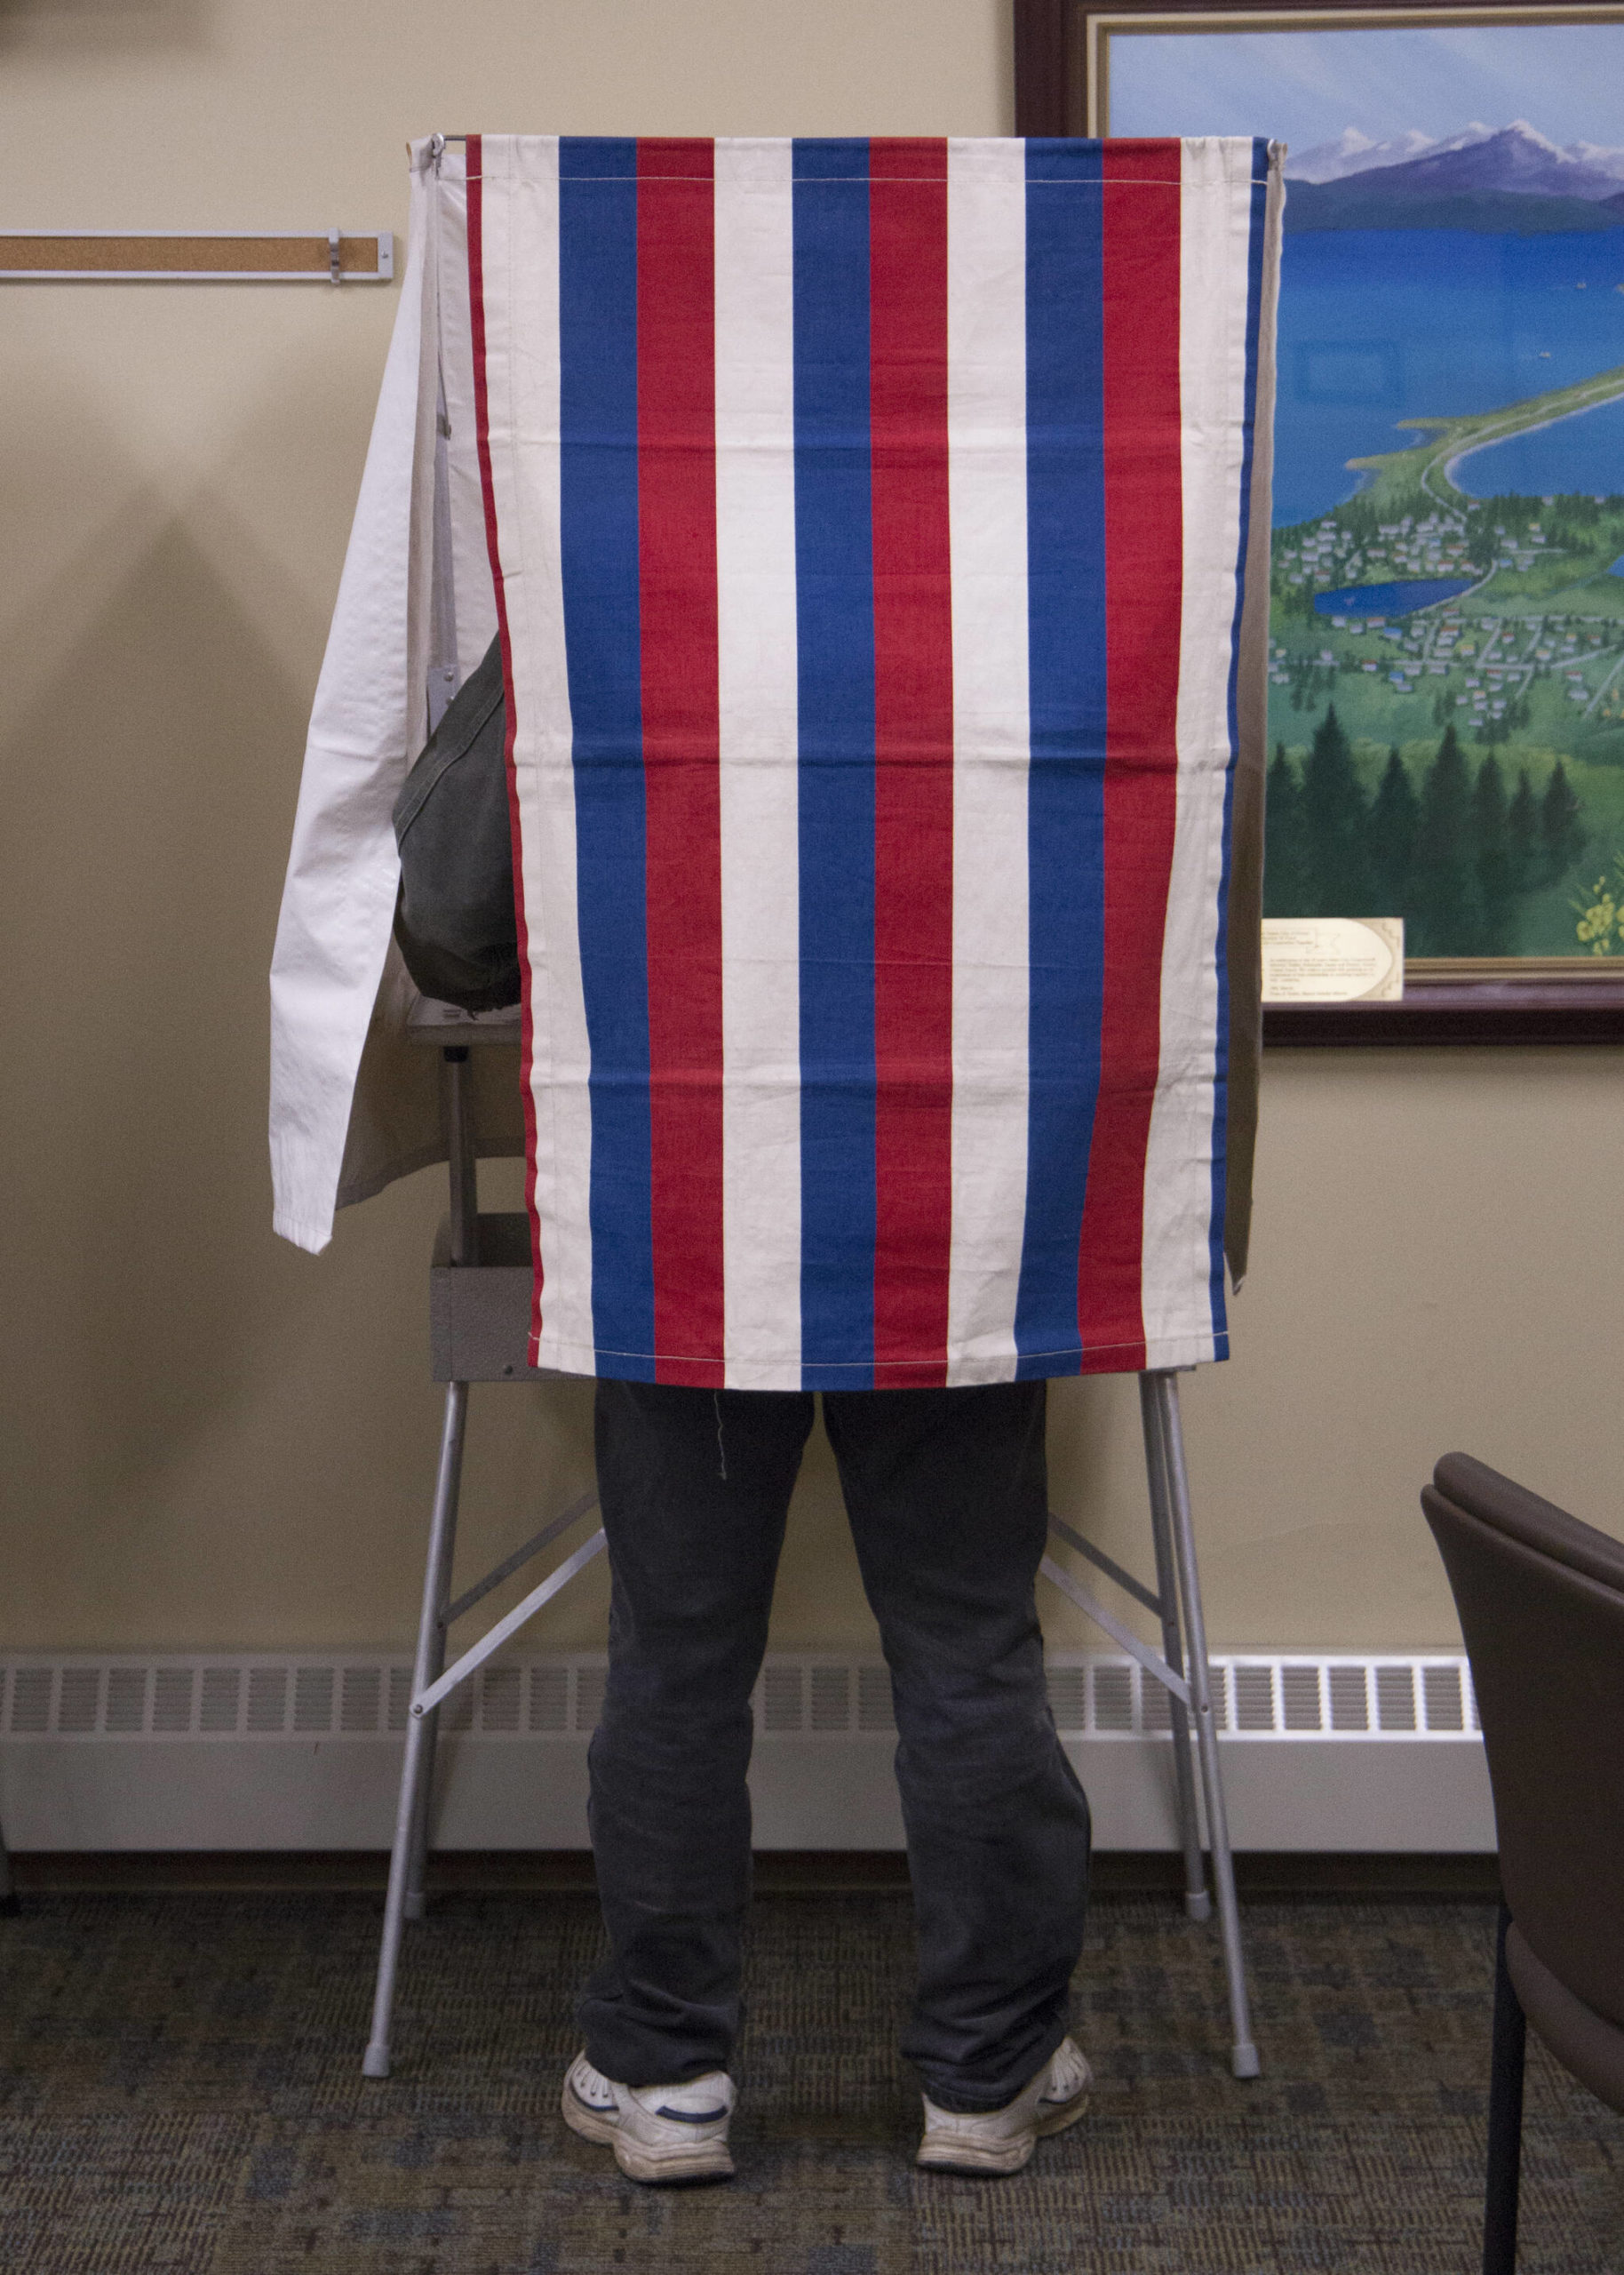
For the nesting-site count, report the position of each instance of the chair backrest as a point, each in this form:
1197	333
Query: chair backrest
1540	1598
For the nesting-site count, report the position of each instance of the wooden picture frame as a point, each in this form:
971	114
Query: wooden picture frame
1061	89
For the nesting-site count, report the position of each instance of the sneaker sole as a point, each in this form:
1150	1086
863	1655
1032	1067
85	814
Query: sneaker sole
1009	2156
706	2161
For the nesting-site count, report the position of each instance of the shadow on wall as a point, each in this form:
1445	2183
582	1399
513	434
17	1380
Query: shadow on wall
149	808
209	1437
138	27
1095	1441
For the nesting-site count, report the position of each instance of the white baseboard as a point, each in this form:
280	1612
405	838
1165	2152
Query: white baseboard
240	1751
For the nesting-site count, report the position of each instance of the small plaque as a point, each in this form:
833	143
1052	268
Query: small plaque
1333	959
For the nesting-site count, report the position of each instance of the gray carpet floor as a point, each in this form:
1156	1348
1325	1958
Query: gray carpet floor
180	2095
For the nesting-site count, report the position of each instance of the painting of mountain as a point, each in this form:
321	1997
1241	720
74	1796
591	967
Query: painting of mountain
1352	153
1515	180
1446	658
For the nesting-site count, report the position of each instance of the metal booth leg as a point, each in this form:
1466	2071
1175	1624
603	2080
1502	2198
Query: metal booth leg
411	1813
417	1901
464	1250
1198	1904
485	1299
1163	1403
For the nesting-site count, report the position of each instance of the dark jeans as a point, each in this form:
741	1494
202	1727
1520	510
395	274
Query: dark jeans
947	1495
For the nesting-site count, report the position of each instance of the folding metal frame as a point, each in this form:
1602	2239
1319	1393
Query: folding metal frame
480	1312
1181	1669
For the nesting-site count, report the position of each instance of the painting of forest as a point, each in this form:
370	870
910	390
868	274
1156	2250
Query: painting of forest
1447	651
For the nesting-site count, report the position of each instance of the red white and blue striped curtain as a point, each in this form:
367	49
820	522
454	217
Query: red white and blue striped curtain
871	524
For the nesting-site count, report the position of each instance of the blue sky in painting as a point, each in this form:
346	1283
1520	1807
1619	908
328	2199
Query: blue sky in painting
1304	87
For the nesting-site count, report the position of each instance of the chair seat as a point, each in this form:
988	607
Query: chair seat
1582	2040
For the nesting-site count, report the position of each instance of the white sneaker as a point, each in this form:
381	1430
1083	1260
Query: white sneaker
1001	2140
658	2132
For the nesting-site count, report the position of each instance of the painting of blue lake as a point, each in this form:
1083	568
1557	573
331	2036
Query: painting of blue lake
1445	674
1392	600
1585	452
1379	325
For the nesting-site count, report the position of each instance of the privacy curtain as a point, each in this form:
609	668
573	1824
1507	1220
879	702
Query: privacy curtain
877	532
871	524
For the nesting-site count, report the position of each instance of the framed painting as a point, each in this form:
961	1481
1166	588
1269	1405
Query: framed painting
1446	634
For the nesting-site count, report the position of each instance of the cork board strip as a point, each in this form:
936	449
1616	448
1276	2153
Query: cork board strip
40	255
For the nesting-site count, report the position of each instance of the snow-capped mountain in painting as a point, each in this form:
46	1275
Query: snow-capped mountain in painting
1597	155
1353	153
1516	158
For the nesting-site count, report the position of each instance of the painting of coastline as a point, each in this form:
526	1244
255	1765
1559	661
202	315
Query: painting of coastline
1446	654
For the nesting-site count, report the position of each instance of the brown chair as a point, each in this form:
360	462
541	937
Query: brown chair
1540	1598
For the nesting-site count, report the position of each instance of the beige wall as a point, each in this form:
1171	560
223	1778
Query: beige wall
215	1440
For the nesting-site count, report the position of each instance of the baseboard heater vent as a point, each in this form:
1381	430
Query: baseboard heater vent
1258	1694
227	1750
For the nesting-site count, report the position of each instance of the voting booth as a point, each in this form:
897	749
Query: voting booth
875	535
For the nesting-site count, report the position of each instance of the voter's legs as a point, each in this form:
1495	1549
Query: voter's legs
694	1487
946	1495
